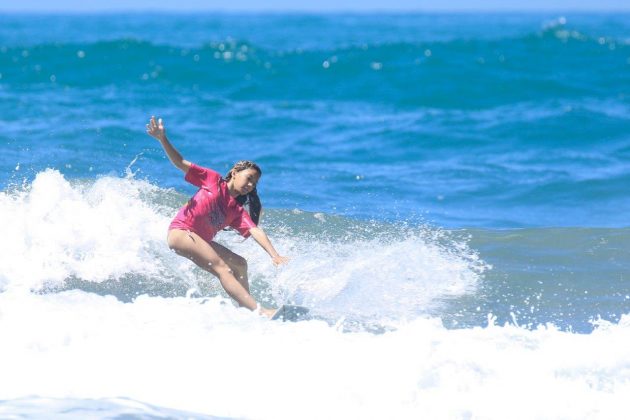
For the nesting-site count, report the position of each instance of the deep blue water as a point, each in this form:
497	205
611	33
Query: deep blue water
458	120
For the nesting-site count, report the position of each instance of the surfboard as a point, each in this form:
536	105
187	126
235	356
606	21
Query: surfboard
291	313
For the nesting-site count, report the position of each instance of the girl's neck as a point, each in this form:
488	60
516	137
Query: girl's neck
233	193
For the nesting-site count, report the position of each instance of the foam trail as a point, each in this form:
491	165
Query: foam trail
211	358
379	279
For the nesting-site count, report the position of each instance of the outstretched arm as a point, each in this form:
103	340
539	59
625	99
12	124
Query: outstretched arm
155	128
263	240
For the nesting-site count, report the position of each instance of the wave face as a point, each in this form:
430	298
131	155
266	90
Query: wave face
108	236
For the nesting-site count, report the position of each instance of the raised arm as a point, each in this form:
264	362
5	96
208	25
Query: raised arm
155	128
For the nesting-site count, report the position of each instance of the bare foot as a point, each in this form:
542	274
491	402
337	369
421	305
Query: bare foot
267	312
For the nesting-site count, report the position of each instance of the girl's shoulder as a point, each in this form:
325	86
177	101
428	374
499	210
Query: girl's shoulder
202	176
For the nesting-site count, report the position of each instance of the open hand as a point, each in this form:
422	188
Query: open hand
280	260
155	128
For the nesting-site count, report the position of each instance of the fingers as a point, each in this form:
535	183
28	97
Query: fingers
151	124
154	126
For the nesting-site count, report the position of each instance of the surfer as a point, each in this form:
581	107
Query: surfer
217	204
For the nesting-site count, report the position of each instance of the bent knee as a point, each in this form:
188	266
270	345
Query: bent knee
239	262
220	268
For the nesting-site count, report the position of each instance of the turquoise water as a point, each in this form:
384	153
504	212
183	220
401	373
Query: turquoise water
441	182
493	121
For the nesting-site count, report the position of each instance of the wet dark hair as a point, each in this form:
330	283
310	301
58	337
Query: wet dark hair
250	201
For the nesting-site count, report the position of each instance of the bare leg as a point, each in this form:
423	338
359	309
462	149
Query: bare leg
193	247
237	263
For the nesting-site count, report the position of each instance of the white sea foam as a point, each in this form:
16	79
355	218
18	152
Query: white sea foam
116	227
75	351
54	230
215	359
377	278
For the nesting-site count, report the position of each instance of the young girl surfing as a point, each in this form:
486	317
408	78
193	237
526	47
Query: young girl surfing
217	204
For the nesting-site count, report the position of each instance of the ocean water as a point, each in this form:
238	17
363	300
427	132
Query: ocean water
452	190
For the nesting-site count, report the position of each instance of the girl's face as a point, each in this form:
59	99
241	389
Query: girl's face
245	181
